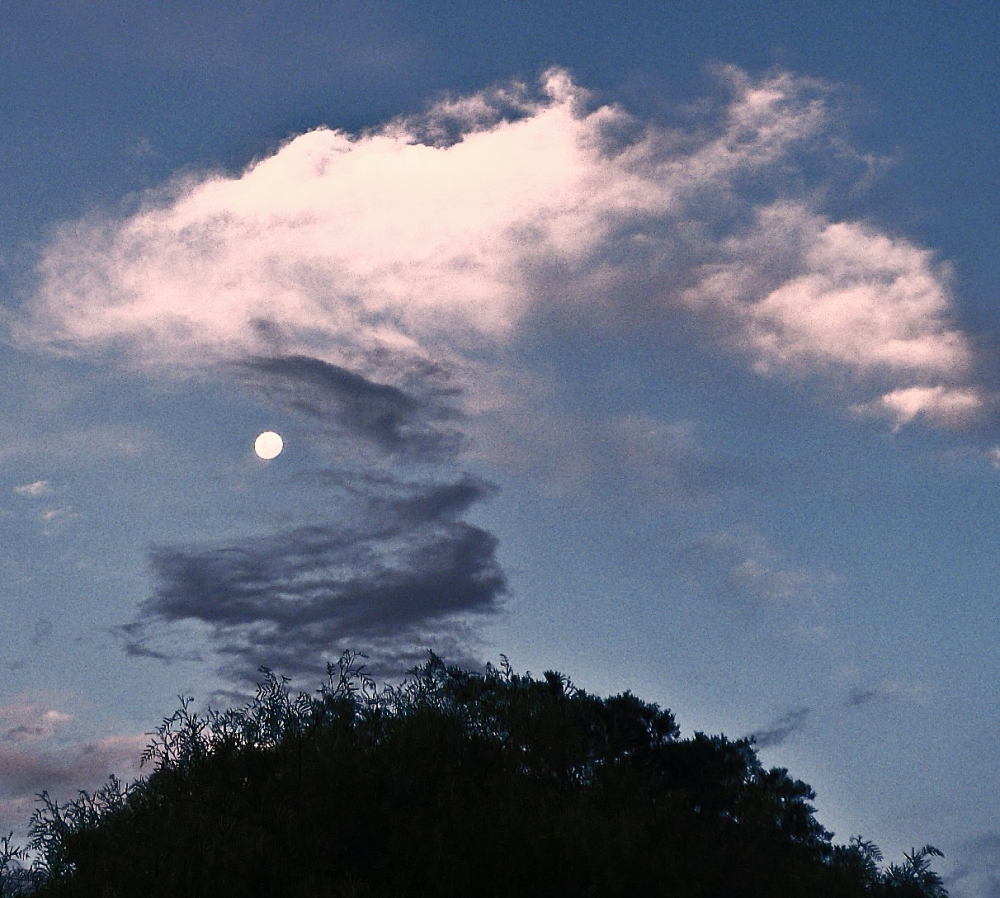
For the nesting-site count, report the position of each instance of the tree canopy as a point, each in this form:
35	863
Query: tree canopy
454	783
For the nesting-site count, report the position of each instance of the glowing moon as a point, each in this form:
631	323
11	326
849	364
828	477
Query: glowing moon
268	444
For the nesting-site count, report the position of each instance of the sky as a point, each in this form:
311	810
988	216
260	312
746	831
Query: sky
653	343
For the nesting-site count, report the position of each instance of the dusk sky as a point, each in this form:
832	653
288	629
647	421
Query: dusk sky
653	343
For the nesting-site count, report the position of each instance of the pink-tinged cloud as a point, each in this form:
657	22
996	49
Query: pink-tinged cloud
435	236
846	297
26	721
37	754
68	768
939	405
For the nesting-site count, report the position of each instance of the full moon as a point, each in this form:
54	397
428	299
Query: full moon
268	444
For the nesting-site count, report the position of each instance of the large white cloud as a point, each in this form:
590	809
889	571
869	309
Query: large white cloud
435	236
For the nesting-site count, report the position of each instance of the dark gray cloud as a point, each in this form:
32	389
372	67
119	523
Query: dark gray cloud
884	691
408	574
42	631
779	732
25	732
388	565
863	696
395	499
415	420
312	574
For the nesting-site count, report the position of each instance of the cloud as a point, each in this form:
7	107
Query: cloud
635	456
36	755
42	631
62	771
885	691
25	721
34	490
675	459
740	567
940	405
806	295
408	570
391	568
68	768
435	238
977	867
779	732
384	286
396	421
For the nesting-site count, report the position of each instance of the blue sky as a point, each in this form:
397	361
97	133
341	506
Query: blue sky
653	343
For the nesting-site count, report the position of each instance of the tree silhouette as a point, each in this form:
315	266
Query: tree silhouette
453	783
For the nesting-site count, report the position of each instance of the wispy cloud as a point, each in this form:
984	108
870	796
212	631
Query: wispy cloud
34	489
740	567
977	867
951	407
885	691
27	721
410	423
409	568
68	767
37	754
779	732
433	237
62	770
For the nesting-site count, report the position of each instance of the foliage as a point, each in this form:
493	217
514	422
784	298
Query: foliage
453	783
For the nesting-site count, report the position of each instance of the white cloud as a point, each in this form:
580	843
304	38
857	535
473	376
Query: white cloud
807	294
938	404
434	237
34	490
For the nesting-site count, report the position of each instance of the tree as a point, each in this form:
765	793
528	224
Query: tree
452	783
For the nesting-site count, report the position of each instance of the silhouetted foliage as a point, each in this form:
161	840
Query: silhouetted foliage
452	784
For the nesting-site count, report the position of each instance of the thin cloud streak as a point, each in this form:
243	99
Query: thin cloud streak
782	729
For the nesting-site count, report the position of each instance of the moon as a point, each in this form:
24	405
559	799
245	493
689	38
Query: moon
268	445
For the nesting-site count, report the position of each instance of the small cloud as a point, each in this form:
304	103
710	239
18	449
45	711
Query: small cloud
859	696
25	732
142	148
741	567
674	459
55	518
42	631
34	489
26	721
945	406
884	691
782	729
